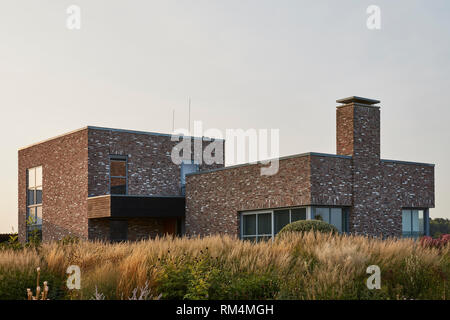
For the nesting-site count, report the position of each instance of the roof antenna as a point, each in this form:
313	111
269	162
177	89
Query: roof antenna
189	126
173	121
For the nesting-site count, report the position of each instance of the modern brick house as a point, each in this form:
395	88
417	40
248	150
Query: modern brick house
354	189
102	183
111	184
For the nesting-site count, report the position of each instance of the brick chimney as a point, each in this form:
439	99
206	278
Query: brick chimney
358	128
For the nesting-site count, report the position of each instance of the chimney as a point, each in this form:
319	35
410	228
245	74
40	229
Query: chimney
358	128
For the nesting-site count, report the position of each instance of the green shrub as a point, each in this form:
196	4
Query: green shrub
308	225
248	286
203	277
14	284
12	243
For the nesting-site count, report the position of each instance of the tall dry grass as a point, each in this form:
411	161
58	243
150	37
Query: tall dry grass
305	266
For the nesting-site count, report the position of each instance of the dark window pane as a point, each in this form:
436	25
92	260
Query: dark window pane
39	195
249	224
118	186
298	214
265	223
118	168
281	219
30	197
253	239
345	219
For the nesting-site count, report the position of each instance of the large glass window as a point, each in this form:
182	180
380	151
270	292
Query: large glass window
334	216
118	175
298	214
322	214
34	202
258	225
281	219
413	223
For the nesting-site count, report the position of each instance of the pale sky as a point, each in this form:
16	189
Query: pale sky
245	64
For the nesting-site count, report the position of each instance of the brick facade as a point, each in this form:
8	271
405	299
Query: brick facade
64	162
76	166
374	190
214	200
76	183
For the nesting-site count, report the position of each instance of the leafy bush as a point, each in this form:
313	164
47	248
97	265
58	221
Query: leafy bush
12	242
14	284
203	277
5	237
309	225
439	243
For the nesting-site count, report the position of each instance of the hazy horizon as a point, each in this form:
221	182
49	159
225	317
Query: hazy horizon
245	64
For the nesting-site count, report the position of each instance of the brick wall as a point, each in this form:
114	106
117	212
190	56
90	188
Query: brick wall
331	181
76	165
380	189
151	171
65	180
138	228
375	190
214	199
150	167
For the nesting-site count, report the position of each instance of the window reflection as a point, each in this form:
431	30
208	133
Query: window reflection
118	175
34	201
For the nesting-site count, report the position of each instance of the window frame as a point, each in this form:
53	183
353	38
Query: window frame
344	216
257	213
114	157
426	222
35	206
309	215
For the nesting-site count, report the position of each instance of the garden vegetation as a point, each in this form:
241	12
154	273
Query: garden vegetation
306	265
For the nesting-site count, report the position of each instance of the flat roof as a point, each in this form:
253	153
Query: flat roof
113	130
409	162
317	154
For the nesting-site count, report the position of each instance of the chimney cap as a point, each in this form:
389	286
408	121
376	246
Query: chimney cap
358	100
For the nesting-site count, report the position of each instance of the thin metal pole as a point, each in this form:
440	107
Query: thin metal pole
189	126
173	120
